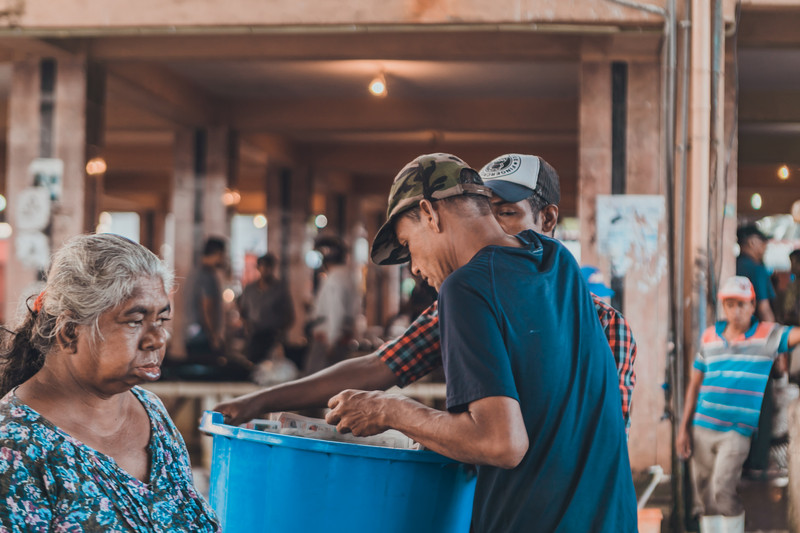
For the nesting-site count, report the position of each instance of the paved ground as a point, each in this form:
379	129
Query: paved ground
766	506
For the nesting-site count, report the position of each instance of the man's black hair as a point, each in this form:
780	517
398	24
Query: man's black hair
267	260
537	204
332	248
213	245
744	233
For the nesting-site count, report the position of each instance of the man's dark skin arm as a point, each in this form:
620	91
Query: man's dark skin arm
367	372
764	311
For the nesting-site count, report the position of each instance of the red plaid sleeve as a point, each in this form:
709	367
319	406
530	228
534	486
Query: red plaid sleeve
417	351
623	347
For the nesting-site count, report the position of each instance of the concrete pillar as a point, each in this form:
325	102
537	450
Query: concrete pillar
288	209
644	288
696	311
95	140
179	230
216	219
646	291
373	217
202	166
594	158
47	120
731	140
23	147
794	466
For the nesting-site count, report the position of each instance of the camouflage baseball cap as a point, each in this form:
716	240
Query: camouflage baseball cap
430	177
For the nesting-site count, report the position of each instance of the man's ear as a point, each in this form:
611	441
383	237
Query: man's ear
429	215
549	216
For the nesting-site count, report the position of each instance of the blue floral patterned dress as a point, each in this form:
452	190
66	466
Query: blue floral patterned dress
50	481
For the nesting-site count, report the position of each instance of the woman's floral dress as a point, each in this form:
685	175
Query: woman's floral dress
50	481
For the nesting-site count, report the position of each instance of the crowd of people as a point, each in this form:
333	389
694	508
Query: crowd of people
539	368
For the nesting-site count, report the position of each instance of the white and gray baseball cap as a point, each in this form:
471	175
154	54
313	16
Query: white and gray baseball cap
515	177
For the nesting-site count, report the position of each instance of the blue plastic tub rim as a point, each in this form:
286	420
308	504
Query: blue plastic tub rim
212	423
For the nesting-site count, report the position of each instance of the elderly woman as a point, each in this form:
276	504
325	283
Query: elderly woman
82	447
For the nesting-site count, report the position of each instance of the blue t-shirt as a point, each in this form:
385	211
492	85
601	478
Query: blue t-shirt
519	322
758	276
735	375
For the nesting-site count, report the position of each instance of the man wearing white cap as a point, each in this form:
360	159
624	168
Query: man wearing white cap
526	193
526	196
723	401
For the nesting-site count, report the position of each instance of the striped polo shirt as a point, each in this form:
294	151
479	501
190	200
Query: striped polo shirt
735	375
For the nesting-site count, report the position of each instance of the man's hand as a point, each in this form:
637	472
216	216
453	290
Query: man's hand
683	444
359	412
238	411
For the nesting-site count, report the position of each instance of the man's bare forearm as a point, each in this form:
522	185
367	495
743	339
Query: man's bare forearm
367	372
490	432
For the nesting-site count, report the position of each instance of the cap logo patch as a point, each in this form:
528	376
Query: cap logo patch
502	166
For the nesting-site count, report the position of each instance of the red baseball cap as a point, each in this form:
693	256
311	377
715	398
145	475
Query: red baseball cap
738	287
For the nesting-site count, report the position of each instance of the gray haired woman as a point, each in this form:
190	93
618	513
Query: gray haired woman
82	447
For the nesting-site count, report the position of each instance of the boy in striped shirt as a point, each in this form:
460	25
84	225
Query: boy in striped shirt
723	402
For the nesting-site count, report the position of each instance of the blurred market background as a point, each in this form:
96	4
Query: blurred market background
271	124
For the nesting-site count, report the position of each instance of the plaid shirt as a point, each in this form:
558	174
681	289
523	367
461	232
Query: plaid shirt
418	351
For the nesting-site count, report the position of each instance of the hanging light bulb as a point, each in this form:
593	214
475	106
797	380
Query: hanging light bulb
231	197
756	201
96	166
378	85
259	221
783	172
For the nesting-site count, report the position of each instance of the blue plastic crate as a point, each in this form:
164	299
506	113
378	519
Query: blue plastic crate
266	482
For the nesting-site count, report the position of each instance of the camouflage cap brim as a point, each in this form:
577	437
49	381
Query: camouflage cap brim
430	177
386	249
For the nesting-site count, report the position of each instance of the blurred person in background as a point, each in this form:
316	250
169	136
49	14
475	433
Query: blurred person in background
267	311
82	446
750	264
723	401
336	306
790	305
204	308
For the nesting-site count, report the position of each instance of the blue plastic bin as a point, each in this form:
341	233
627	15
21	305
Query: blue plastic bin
280	484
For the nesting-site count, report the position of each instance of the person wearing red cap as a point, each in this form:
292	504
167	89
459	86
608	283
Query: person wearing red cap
723	402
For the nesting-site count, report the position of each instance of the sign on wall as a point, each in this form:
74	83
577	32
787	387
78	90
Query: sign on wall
630	234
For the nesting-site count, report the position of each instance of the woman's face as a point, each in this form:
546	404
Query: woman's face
132	341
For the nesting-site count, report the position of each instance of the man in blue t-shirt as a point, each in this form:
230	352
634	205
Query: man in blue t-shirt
750	264
532	392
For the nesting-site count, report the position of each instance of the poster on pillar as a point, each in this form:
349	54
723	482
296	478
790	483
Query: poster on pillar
631	236
33	209
32	249
48	172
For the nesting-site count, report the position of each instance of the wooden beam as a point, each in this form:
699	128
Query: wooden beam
101	16
383	161
770	27
118	181
141	158
422	44
374	115
769	106
766	176
21	47
158	92
769	149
